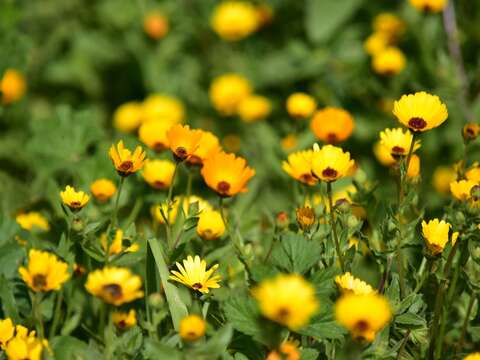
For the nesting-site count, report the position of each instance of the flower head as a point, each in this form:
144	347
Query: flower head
461	189
305	217
24	347
126	162
435	233
228	91
254	108
363	315
156	25
473	173
389	24
158	173
195	275
301	105
376	42
226	174
470	131
12	86
398	142
420	111
183	141
33	221
288	350
234	20
332	125
124	320
442	177
210	225
44	271
154	134
472	356
103	189
192	327
383	154
75	200
331	163
116	245
429	5
348	284
299	167
202	205
389	61
128	117
7	329
207	146
114	285
163	108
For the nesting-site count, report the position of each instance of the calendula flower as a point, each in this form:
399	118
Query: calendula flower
472	356
33	221
210	225
44	271
473	173
429	5
289	142
234	20
7	329
420	111
158	173
383	154
389	61
75	200
332	125
116	244
183	141
398	142
288	350
363	315
124	320
163	108
228	91
192	327
195	275
254	108
389	24
154	134
24	347
301	105
114	285
461	189
442	177
156	25
299	167
435	233
287	299
226	174
330	163
305	217
207	146
376	42
103	189
12	86
413	170
128	117
348	284
126	162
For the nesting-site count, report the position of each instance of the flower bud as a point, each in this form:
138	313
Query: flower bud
305	217
342	205
156	300
78	225
470	131
282	221
475	192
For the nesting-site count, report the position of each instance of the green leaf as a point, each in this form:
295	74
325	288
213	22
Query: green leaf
67	347
296	254
9	305
323	280
155	350
216	345
410	319
309	354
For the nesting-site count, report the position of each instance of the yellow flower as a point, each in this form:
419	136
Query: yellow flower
33	220
254	108
75	200
473	173
202	205
348	284
195	275
44	271
116	244
128	117
389	24
442	177
398	142
232	143
332	125
299	166
455	236
420	111
154	134
429	5
305	217
472	356
6	331
183	141
383	154
124	320
461	189
376	42
114	285
156	25
126	162
192	327
331	163
389	61
210	225
207	146
12	86
414	167
158	173
289	142
363	315
435	233
234	20
103	189
226	174
24	347
470	131
228	91
164	108
287	299
288	350
301	105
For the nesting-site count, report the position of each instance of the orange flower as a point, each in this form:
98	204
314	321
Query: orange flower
332	125
207	146
125	161
183	141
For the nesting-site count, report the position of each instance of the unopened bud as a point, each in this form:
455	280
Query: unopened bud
305	217
342	205
470	131
282	220
156	300
78	225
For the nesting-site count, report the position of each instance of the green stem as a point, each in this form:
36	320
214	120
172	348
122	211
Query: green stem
113	222
56	315
334	227
37	314
465	323
404	343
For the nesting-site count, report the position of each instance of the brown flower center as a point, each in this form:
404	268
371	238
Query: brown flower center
196	286
361	326
158	184
39	281
307	178
417	123
113	290
398	150
122	324
75	204
223	187
181	152
283	313
126	165
158	146
332	138
330	173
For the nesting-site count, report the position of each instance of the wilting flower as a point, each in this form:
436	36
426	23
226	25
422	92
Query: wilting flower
389	61
23	347
228	91
332	125
114	285
44	271
103	189
420	111
299	167
363	315
207	146
398	142
158	173
192	327
126	162
301	105
234	20
388	24
376	42
461	189
164	108
429	5
195	275
12	86
124	320
154	134
183	141
330	163
75	200
254	108
435	233
210	225
128	117
287	299
156	25
7	329
348	284
32	220
288	350
305	217
226	174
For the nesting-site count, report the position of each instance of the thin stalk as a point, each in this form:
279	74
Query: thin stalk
37	314
56	315
334	227
465	323
113	222
404	342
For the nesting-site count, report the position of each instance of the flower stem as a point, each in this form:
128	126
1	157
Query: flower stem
334	227
404	343
56	315
37	314
465	323
113	222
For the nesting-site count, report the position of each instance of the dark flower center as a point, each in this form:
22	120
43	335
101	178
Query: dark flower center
398	150
126	165
330	173
417	123
181	153
158	184
307	178
332	138
113	290
196	286
39	281
361	325
122	324
75	204
283	313
223	187
158	146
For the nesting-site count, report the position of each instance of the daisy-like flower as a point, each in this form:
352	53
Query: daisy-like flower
207	146
126	162
33	220
254	108
301	105
24	347
299	167
75	200
420	111
228	91
462	189
348	284
472	356
473	173
183	141
210	225
389	24
103	189
443	176
332	125
12	86
154	134
7	329
330	163
124	320
429	5
435	233
398	142
128	117
234	20
192	327
288	350
158	173
389	61
164	108
195	275
376	42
